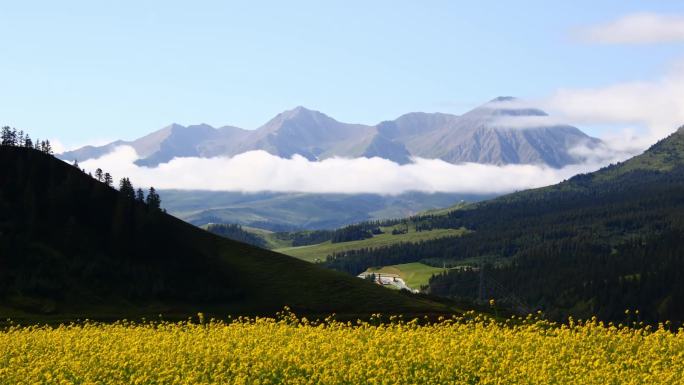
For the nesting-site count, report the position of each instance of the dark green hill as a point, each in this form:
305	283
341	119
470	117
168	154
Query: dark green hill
71	246
599	243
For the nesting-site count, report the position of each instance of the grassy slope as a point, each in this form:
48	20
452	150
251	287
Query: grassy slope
272	242
444	211
315	253
415	274
663	156
266	281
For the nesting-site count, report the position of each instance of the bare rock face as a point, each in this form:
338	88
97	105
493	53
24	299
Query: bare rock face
503	132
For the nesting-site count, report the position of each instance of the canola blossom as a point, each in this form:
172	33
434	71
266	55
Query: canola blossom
463	350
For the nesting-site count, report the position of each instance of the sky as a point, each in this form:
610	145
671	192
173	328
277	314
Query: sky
91	71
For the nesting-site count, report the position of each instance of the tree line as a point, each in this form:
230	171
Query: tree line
236	233
12	137
307	237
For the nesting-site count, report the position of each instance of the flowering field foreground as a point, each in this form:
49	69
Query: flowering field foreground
289	350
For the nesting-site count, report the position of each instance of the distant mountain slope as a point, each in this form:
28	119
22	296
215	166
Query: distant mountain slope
308	133
300	211
299	131
192	141
72	247
499	132
596	244
409	126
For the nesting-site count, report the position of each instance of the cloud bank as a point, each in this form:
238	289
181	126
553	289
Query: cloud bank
655	105
637	28
260	171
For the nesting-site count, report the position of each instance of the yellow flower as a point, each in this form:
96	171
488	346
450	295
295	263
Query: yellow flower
470	348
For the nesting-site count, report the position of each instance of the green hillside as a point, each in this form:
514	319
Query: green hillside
318	252
443	211
71	246
664	156
415	274
596	244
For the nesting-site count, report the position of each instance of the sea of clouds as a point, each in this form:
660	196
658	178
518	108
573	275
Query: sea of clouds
260	171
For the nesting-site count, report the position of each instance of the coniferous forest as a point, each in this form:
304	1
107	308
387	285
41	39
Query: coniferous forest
236	233
598	244
60	226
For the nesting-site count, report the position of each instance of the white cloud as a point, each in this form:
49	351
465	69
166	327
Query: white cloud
260	171
656	105
57	146
638	28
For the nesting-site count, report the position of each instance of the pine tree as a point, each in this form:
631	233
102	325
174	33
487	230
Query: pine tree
5	136
140	196
27	141
13	137
9	136
98	175
126	188
153	199
108	179
46	147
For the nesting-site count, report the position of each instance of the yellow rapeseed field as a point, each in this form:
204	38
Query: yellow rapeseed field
464	350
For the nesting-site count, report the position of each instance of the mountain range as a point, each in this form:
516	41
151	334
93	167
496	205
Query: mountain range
498	132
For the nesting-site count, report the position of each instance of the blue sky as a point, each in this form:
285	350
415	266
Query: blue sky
93	70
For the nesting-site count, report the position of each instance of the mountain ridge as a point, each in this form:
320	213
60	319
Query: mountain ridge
476	136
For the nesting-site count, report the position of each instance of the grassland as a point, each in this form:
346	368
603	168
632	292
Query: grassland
415	274
272	242
317	253
459	350
444	211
